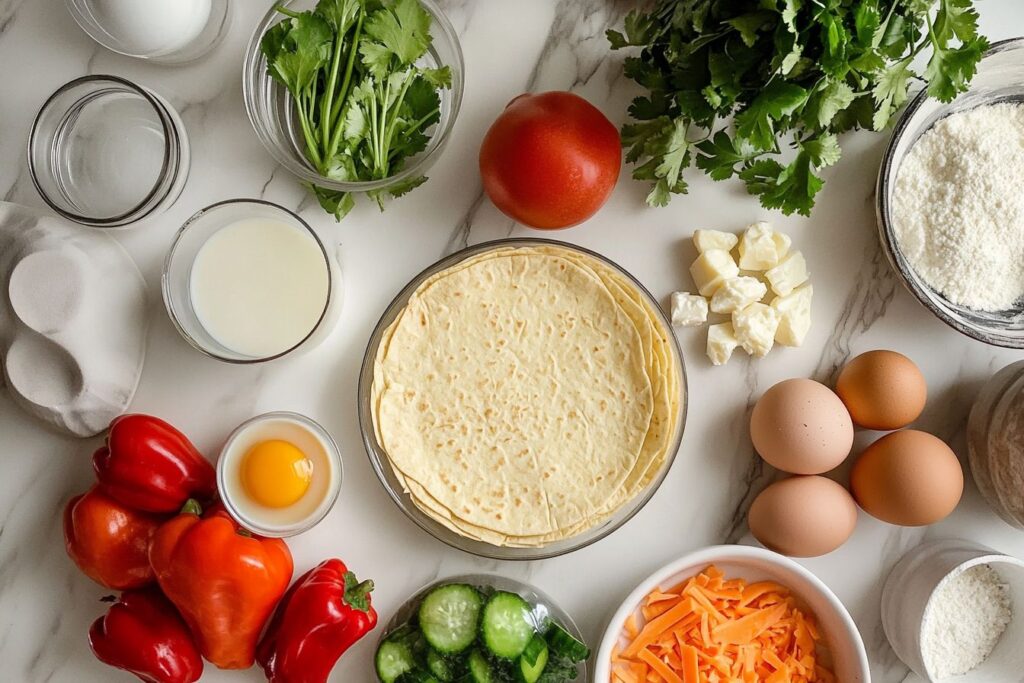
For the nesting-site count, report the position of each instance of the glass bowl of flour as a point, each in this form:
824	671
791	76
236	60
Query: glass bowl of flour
950	201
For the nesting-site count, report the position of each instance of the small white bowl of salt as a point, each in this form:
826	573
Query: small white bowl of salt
953	611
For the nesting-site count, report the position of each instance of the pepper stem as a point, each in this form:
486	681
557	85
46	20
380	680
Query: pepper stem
192	507
357	593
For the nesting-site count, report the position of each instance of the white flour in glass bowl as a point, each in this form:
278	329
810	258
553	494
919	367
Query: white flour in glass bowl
958	207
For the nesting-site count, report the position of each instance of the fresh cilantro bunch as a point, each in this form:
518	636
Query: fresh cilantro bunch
363	104
796	72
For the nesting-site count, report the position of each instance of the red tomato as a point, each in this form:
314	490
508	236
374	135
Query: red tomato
550	160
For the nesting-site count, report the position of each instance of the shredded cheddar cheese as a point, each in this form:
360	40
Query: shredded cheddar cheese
710	629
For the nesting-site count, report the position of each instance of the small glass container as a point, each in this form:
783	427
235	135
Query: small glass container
106	152
1000	79
164	31
907	605
177	276
995	443
325	485
272	111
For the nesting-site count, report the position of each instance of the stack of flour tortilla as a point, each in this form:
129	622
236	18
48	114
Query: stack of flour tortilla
526	394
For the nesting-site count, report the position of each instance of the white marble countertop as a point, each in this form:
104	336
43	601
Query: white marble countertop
46	605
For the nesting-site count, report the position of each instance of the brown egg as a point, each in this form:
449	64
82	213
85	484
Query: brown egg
908	478
803	516
801	426
882	390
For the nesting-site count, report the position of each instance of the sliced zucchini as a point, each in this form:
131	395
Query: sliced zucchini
565	644
449	617
443	668
480	670
508	625
533	660
394	658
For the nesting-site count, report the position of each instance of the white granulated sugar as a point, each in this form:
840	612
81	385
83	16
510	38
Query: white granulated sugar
965	619
958	207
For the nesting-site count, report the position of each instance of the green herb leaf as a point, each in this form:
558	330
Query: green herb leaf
785	73
833	98
950	71
757	122
299	51
890	92
721	155
400	30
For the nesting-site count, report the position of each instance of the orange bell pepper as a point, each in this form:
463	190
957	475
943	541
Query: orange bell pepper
224	581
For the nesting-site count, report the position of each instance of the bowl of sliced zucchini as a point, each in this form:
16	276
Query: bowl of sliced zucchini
481	628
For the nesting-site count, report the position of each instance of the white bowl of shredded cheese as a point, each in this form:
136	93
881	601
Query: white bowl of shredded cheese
948	609
950	209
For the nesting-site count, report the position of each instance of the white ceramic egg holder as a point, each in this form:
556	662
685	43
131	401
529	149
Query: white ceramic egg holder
72	321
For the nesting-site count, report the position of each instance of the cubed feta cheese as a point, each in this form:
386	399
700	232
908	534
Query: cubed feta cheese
762	248
737	293
794	311
788	275
689	310
755	327
721	343
714	239
711	269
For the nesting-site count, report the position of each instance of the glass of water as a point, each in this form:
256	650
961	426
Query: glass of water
106	152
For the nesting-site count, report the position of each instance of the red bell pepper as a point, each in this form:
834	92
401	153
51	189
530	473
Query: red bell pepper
224	581
149	465
108	541
143	633
324	613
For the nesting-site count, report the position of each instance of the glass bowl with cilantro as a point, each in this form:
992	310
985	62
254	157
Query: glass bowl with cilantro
480	628
356	98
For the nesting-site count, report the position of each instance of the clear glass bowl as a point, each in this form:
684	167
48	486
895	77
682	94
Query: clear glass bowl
1000	78
92	20
106	152
544	606
382	466
273	116
310	437
176	280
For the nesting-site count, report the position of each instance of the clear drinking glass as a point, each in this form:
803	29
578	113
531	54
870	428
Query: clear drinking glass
177	275
188	40
106	152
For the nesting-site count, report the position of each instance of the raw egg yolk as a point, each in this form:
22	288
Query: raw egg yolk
276	473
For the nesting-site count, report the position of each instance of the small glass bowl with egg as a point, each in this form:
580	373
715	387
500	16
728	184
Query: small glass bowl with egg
279	474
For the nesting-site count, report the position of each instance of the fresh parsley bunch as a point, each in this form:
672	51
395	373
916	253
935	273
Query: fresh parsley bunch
363	104
782	71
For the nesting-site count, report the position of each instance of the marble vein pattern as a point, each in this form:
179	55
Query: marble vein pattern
46	606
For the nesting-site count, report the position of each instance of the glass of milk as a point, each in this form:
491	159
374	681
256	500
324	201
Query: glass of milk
248	281
165	31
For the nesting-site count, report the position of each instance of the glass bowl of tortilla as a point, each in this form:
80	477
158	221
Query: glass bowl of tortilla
522	399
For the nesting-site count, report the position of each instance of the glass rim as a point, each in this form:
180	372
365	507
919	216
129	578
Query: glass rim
168	59
255	79
170	137
921	291
173	314
320	512
379	459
